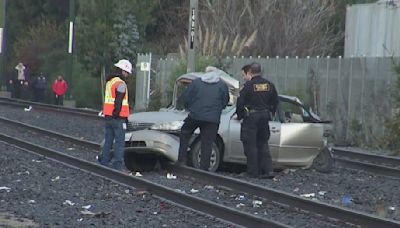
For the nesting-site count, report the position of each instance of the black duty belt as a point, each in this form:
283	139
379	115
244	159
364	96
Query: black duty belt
258	110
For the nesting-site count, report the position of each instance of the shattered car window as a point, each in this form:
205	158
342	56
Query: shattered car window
293	113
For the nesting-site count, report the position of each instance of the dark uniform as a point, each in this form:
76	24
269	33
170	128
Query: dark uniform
258	100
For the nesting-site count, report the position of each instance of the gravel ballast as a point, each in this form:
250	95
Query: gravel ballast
48	194
367	192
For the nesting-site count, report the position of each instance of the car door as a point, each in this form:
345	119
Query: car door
234	151
300	140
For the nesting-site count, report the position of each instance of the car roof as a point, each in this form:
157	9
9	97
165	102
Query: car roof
230	81
291	98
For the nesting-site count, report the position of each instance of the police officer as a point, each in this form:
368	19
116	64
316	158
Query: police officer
257	102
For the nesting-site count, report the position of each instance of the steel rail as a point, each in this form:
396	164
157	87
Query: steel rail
47	107
373	163
77	141
204	206
339	213
368	167
380	159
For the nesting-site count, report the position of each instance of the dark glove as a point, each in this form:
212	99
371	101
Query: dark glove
115	114
118	104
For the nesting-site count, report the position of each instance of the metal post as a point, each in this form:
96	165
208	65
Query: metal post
103	82
363	88
70	46
349	99
297	77
2	40
192	32
338	95
317	99
327	84
148	83
286	74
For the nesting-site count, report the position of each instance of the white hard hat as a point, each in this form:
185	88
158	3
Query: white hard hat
125	65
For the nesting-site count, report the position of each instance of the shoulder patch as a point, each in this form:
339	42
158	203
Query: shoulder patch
261	87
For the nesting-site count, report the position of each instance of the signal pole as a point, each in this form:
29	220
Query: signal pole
2	41
70	46
192	32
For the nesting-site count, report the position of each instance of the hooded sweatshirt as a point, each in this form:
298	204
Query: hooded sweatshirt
206	97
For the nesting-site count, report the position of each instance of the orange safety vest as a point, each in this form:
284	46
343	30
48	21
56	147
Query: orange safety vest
110	95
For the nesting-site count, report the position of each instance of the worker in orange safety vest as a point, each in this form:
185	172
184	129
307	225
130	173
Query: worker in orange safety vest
116	112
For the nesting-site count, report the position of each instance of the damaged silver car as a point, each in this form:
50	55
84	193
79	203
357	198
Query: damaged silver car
298	136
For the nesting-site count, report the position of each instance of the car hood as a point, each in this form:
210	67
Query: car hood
162	116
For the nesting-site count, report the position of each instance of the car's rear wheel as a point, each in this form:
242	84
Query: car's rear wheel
324	161
140	162
195	154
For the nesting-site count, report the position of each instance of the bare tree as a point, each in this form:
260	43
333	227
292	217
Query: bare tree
267	27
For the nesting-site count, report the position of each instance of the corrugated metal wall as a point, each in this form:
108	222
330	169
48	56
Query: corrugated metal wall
372	30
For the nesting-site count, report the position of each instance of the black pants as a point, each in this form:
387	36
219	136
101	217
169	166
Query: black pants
208	132
59	100
254	134
39	95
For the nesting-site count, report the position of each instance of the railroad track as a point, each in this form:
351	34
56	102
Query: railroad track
197	204
377	164
87	113
226	213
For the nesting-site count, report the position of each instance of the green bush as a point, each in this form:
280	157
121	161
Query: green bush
86	90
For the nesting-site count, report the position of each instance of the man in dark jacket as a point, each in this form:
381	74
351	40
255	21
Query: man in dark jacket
257	102
39	88
205	98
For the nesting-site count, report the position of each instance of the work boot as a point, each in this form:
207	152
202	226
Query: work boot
269	175
125	171
181	163
247	175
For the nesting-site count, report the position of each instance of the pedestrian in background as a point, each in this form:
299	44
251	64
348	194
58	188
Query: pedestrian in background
39	88
21	71
204	98
11	87
59	88
116	113
25	90
256	104
20	82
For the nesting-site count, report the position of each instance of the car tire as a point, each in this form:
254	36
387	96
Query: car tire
324	162
195	152
140	162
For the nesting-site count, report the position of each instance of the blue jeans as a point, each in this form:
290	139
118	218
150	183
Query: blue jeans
114	134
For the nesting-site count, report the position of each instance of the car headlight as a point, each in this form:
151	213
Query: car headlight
168	126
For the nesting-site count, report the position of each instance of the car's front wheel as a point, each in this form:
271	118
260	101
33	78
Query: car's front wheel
324	161
140	162
195	155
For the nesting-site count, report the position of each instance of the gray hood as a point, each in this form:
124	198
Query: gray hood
210	77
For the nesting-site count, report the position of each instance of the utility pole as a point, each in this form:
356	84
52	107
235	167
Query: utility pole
192	32
2	41
70	47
